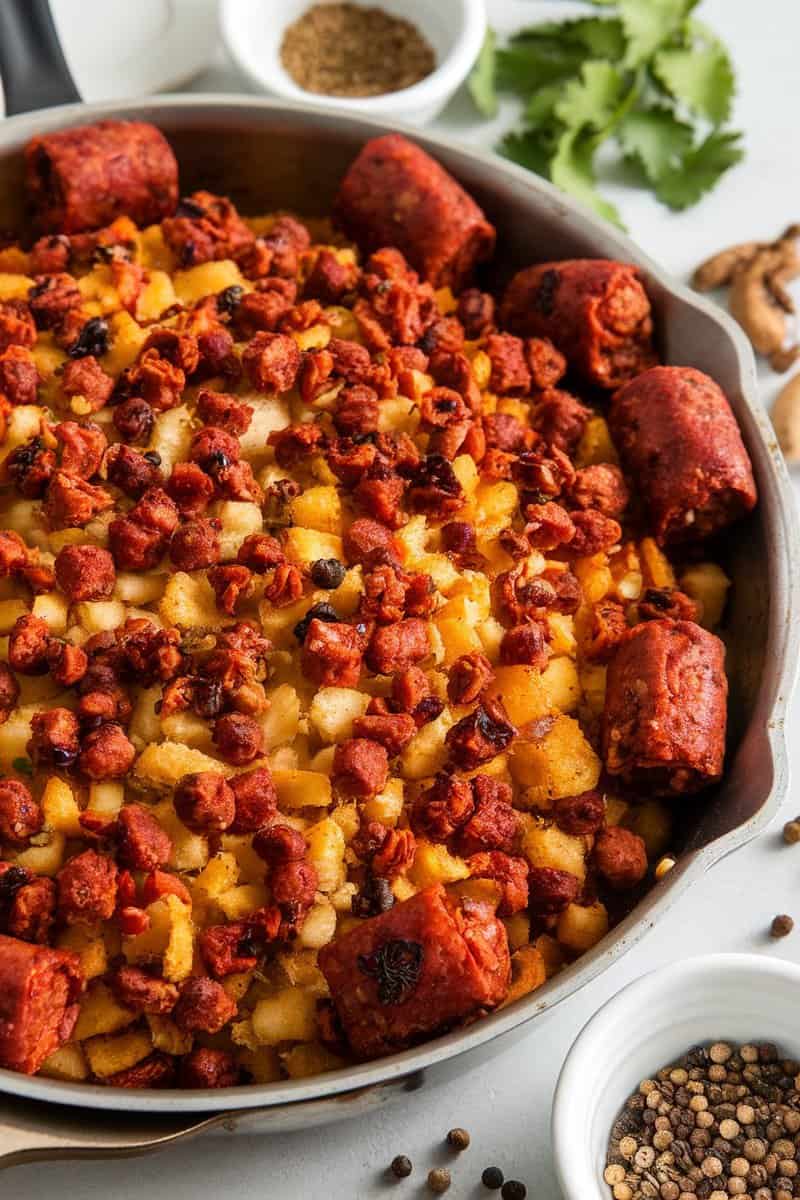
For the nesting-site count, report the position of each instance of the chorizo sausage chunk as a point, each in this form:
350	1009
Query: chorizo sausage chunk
39	990
665	710
423	966
680	442
594	310
395	194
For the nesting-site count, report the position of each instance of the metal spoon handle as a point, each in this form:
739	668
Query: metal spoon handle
32	66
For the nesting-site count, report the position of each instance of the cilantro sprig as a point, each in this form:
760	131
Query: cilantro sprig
645	77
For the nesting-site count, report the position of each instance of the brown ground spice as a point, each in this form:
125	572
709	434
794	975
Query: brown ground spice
347	50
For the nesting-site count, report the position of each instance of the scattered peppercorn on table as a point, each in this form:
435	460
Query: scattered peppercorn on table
503	1118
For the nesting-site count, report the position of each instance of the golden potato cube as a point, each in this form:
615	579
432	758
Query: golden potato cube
269	414
159	768
593	686
653	823
156	297
412	538
326	847
88	943
188	729
289	1015
240	901
595	577
523	692
189	850
318	508
166	1035
10	613
100	1013
433	863
189	602
707	584
126	340
219	875
560	763
548	846
302	789
552	953
279	723
139	589
60	808
68	1063
656	567
458	637
238	985
496	503
172	436
518	930
348	818
145	726
239	518
109	1054
15	733
333	711
582	926
560	678
14	287
307	545
426	753
528	972
44	860
310	1058
179	952
206	280
251	867
596	445
262	1063
466	472
562	634
53	608
319	926
99	616
387	806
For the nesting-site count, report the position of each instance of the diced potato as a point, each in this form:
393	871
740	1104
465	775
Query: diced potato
596	579
656	566
169	937
262	1063
60	808
88	943
326	852
10	613
413	537
166	1035
189	850
616	810
560	678
126	340
491	635
652	821
206	280
239	519
387	806
441	570
426	753
518	930
238	984
302	789
139	589
186	728
559	763
172	436
44	860
278	624
596	445
107	1055
593	685
189	603
52	607
548	846
458	637
280	722
97	616
251	867
319	926
433	863
287	1016
333	711
269	413
14	287
528	972
318	508
158	768
307	545
496	505
466	472
523	692
310	1058
551	952
707	584
15	733
25	421
239	902
562	634
156	297
145	726
101	1013
581	926
68	1063
219	875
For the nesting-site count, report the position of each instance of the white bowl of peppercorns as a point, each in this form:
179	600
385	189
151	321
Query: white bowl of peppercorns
684	1086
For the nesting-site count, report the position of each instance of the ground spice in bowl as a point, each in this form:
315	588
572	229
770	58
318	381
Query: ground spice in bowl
722	1122
347	50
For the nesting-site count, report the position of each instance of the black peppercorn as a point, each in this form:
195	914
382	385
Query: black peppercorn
513	1190
401	1166
320	612
492	1178
439	1180
92	339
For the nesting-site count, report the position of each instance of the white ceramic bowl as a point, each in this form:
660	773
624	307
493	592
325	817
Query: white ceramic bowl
647	1025
253	32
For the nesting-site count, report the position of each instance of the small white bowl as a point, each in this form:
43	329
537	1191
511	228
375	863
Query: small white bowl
646	1026
253	32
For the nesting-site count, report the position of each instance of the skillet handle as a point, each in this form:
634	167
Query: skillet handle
32	65
34	1132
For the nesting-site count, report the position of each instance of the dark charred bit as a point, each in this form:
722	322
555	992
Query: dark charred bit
92	339
544	299
376	897
396	966
317	612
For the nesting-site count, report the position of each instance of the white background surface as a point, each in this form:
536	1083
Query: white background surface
506	1104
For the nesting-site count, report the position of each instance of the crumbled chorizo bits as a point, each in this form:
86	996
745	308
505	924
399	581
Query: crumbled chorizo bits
338	671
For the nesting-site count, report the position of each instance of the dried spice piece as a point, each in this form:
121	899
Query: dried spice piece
347	50
396	965
92	339
492	1178
401	1167
458	1138
781	925
439	1180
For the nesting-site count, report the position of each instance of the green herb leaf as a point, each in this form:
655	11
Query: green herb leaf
481	82
525	66
530	150
572	169
699	170
540	109
601	37
591	101
23	766
650	23
655	139
700	78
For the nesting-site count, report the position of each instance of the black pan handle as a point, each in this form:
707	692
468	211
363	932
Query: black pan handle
32	65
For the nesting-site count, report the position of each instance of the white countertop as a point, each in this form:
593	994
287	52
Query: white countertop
505	1104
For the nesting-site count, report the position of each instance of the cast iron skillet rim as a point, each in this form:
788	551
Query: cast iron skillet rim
783	646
